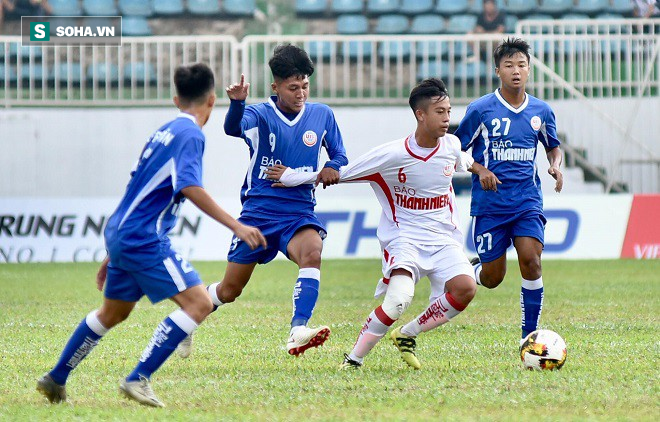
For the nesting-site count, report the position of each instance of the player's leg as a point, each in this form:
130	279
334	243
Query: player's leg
175	279
447	299
528	232
491	239
400	291
304	249
121	294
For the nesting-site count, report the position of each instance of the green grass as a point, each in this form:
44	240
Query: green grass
607	311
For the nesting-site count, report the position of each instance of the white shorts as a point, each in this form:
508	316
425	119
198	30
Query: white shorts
439	263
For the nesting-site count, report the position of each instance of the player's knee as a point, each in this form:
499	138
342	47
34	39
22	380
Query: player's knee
399	296
228	294
464	291
311	259
110	319
530	267
491	276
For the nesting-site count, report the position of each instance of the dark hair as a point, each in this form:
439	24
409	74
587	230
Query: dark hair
509	47
193	82
425	90
289	60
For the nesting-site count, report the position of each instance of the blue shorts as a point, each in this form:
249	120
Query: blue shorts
278	233
163	281
493	234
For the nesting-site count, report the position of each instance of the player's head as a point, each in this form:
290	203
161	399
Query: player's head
429	100
291	68
511	59
195	89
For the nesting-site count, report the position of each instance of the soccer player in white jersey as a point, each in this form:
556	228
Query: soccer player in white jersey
285	129
140	258
419	230
503	130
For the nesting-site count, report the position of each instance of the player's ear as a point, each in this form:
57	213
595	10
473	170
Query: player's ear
419	114
211	100
273	86
176	101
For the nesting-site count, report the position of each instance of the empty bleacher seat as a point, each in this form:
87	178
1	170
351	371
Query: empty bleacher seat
65	7
592	7
320	50
102	72
97	21
521	7
100	7
239	7
203	7
605	28
471	70
391	24
135	7
139	72
168	7
392	50
357	49
577	29
431	49
452	7
352	24
461	24
8	73
556	7
427	24
624	7
379	7
510	22
311	7
416	7
347	6
135	26
24	53
434	69
33	72
66	72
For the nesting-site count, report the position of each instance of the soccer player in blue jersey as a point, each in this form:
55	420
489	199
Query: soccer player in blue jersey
285	129
140	258
503	129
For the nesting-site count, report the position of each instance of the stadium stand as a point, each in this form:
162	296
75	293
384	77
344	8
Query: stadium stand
427	24
391	24
239	7
392	50
347	6
461	24
168	7
65	7
135	8
102	72
65	72
591	7
100	8
8	73
311	7
625	7
352	24
416	7
203	7
139	73
135	26
556	8
451	7
520	7
380	7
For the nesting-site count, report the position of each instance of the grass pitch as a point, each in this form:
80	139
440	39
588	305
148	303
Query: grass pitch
607	311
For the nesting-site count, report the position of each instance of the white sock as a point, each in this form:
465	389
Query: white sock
213	292
373	330
439	312
477	273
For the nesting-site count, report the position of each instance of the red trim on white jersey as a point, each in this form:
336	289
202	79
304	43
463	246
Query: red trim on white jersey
451	208
378	179
431	154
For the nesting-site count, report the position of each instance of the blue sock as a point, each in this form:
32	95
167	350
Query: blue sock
82	341
531	304
169	333
305	294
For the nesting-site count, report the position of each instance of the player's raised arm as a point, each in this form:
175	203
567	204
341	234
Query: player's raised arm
237	93
555	159
250	235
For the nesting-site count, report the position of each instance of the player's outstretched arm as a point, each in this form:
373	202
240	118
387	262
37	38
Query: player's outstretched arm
286	177
250	235
487	178
555	159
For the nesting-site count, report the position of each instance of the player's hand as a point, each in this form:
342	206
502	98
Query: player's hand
102	274
275	173
251	235
558	176
328	176
488	180
238	91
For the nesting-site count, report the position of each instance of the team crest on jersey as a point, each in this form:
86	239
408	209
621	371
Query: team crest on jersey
309	138
449	170
535	122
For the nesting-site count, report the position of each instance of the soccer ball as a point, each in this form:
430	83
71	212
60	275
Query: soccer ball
543	349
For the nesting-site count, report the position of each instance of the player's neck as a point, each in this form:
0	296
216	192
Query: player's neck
515	97
424	139
199	115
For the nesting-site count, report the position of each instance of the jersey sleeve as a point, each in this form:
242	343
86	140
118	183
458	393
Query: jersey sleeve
239	119
368	164
548	132
188	162
469	127
334	144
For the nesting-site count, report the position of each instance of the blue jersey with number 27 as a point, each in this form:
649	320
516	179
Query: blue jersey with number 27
504	139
